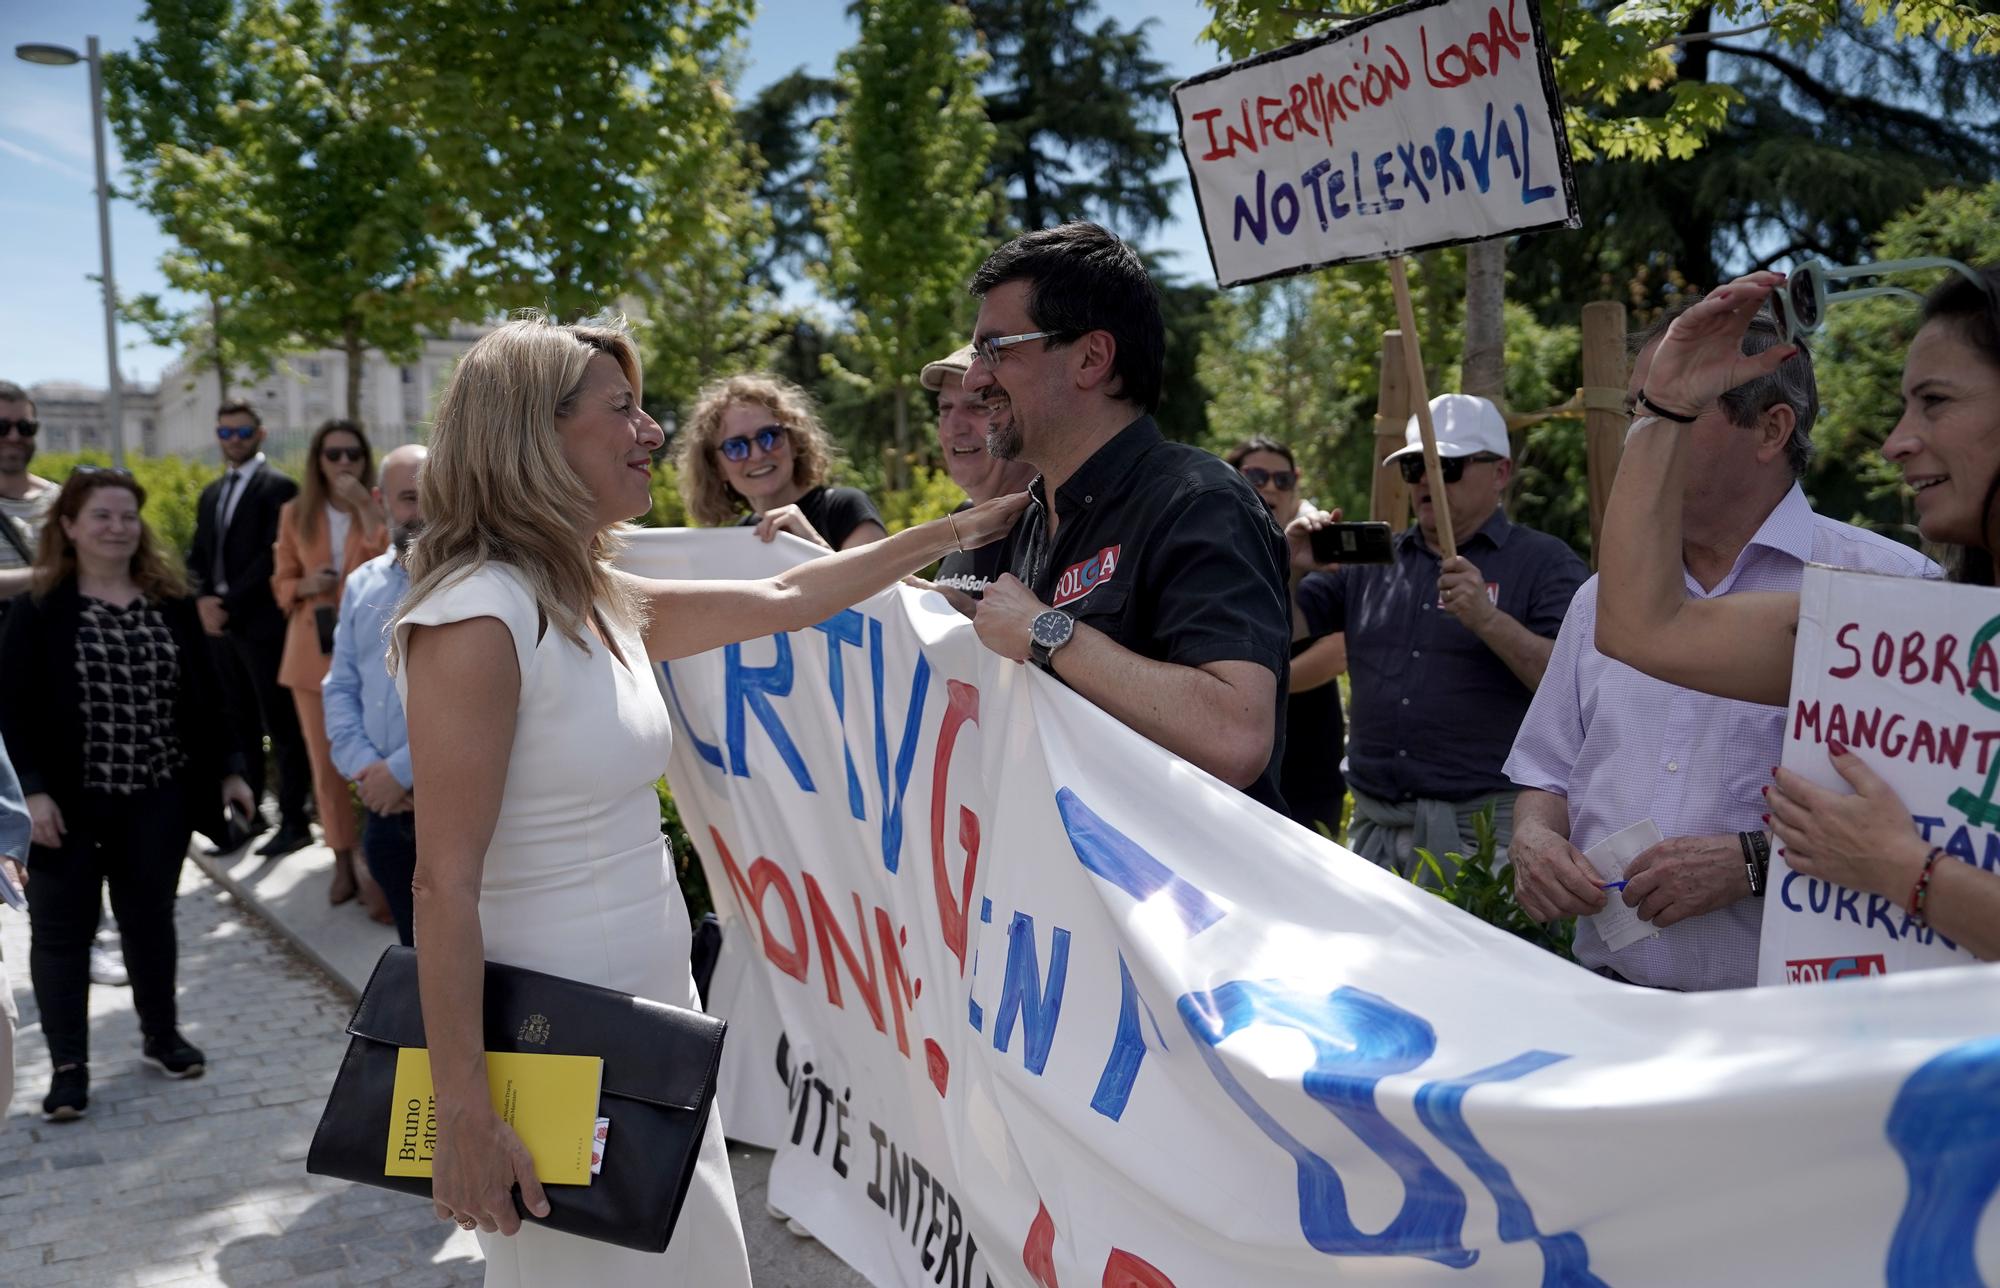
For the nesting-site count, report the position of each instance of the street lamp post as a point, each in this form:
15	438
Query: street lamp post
63	56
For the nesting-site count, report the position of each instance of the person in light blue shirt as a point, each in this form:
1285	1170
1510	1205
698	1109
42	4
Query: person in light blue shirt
364	717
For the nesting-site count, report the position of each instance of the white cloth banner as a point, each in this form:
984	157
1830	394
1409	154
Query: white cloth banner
1905	674
1052	1006
1424	125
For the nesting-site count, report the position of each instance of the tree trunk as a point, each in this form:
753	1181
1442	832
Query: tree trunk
899	468
215	338
1484	367
351	342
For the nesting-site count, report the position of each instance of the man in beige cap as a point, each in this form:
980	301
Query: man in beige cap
962	421
1445	653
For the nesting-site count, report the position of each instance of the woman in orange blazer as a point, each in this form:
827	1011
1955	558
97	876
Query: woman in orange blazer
335	510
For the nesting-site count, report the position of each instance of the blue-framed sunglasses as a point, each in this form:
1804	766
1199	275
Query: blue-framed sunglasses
766	440
244	432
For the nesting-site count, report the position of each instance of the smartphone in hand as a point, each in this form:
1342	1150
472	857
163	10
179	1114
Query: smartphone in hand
1352	543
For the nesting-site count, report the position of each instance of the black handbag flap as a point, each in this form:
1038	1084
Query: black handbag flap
545	1014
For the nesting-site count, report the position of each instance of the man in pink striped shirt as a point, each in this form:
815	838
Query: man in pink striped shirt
1604	747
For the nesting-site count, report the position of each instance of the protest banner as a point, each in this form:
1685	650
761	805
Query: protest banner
1050	1006
1426	125
1904	673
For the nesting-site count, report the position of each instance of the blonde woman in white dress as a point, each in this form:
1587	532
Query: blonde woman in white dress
536	734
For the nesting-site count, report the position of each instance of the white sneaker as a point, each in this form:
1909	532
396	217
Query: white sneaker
107	963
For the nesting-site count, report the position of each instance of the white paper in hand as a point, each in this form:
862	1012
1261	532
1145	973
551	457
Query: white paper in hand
10	890
1619	926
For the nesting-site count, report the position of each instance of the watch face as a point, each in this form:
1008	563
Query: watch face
1050	628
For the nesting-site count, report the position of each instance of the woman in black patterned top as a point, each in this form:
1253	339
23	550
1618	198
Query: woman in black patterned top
113	714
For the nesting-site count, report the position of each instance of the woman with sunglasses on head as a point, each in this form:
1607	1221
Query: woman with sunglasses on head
1741	646
754	444
537	733
109	715
1315	734
333	526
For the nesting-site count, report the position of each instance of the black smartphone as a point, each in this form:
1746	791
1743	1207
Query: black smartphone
325	618
1352	543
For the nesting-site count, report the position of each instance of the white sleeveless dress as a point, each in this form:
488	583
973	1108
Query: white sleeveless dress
578	883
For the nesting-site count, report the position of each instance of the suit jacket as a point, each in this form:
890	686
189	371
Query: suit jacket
42	699
303	665
247	550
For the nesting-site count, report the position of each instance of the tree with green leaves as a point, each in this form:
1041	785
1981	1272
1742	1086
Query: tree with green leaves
1619	69
781	124
315	218
545	118
906	208
1079	104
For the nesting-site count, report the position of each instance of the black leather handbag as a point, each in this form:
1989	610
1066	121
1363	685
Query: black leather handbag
660	1066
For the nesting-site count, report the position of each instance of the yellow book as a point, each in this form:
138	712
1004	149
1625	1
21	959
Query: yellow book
549	1100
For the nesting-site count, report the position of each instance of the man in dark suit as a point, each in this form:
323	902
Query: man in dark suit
236	527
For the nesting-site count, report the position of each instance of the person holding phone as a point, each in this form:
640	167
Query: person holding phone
1311	781
332	527
109	715
1446	653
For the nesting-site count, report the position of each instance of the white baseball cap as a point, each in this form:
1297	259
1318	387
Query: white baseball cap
1465	425
956	363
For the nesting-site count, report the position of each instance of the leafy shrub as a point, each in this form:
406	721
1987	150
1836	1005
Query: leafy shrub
1477	886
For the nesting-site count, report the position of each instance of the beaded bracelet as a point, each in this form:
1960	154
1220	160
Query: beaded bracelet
1921	891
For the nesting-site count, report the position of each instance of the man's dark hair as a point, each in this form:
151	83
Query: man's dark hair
241	407
1792	384
1081	278
11	392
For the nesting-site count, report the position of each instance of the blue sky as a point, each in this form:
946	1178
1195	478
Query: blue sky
54	329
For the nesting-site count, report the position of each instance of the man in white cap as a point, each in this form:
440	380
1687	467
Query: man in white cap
1445	654
962	422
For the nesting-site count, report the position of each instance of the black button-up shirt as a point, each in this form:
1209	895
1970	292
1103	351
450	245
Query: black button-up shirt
1167	550
1433	710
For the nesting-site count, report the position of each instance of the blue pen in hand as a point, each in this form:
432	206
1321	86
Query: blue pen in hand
1612	885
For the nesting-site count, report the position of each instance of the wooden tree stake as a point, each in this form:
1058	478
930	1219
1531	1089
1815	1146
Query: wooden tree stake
1420	401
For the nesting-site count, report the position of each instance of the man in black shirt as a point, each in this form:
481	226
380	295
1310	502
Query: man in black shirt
1146	575
962	421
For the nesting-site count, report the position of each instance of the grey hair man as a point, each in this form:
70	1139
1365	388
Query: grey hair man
962	422
1604	747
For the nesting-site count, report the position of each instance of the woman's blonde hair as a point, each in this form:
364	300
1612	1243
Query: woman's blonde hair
153	569
497	488
314	493
710	500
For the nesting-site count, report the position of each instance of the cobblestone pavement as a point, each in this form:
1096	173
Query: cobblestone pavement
203	1181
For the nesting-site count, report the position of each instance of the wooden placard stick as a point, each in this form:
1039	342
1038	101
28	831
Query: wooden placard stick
1420	398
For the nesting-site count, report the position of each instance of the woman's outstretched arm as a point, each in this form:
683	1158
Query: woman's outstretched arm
689	617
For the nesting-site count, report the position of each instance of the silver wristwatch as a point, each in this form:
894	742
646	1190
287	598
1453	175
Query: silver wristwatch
1050	631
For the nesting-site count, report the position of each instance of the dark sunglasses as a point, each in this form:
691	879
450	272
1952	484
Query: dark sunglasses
25	427
1283	480
1453	467
342	453
244	432
766	439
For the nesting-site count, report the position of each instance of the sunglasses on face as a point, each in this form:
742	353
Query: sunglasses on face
1453	467
25	427
766	440
243	432
1283	480
332	454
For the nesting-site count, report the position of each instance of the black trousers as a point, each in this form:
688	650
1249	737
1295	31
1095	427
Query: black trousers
137	844
258	707
389	843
